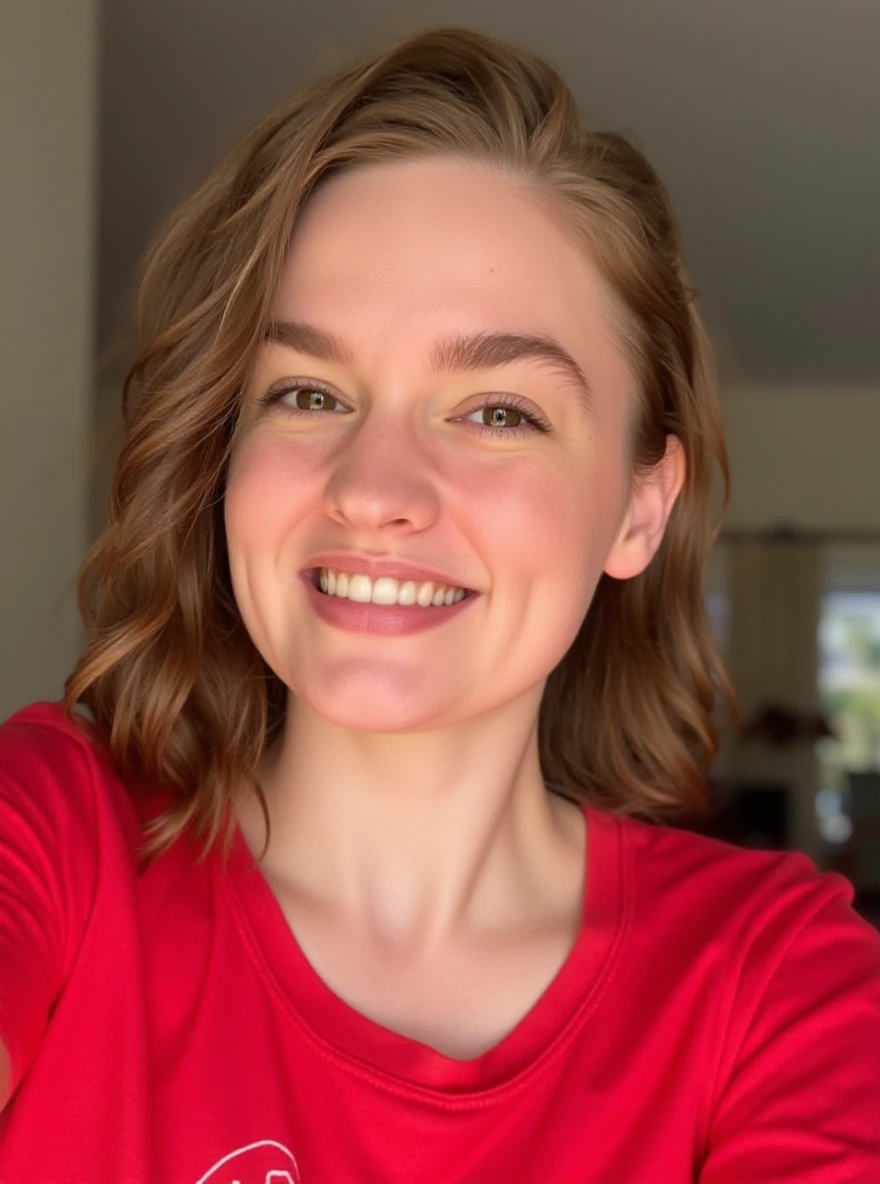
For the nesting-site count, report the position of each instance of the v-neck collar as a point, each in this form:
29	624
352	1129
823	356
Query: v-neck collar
367	1046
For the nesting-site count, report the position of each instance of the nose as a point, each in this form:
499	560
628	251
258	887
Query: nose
382	477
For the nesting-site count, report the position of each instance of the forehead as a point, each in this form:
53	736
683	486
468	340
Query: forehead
441	245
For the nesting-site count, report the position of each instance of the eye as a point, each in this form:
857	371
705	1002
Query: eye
509	417
307	398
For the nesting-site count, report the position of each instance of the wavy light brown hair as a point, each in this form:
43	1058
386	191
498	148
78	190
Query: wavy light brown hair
174	685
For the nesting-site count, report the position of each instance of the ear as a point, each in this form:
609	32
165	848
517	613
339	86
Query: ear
650	505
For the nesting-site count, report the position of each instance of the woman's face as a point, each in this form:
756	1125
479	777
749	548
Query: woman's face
402	268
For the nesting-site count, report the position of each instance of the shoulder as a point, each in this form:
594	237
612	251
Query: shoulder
44	730
699	867
41	750
56	773
748	905
762	942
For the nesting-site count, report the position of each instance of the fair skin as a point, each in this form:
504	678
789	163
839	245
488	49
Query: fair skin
427	873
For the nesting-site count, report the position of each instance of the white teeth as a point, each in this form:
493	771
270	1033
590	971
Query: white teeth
407	592
359	589
385	590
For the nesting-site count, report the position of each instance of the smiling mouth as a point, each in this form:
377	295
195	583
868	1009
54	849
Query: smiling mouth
361	589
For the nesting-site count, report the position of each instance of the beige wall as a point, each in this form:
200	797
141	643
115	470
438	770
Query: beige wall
805	456
48	77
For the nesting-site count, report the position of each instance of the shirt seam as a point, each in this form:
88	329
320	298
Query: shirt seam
65	728
70	952
719	1086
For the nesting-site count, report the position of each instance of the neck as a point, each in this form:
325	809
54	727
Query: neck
418	839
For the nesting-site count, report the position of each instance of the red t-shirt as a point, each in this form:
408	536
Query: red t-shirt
718	1019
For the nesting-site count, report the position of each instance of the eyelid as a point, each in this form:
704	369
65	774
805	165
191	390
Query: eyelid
513	403
284	386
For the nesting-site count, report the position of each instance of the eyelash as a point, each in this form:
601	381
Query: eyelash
535	421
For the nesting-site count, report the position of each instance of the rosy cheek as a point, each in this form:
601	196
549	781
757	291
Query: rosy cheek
522	511
267	481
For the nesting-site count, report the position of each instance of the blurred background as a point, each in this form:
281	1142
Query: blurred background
760	115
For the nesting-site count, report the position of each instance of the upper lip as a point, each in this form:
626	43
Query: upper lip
397	569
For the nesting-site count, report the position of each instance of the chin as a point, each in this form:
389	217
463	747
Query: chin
373	712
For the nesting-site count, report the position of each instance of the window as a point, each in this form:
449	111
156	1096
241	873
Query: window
849	684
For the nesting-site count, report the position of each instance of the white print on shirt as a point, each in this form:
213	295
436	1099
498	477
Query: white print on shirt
266	1162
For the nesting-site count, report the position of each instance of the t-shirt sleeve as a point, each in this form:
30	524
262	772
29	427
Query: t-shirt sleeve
47	861
800	1099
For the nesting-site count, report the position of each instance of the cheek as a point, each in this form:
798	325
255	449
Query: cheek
552	518
266	486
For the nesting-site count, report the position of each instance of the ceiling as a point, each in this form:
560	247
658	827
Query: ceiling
762	116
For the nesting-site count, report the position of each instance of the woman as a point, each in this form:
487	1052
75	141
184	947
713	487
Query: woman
397	656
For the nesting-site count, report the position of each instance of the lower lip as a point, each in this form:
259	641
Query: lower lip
394	619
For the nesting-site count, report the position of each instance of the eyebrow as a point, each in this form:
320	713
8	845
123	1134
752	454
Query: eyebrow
452	355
